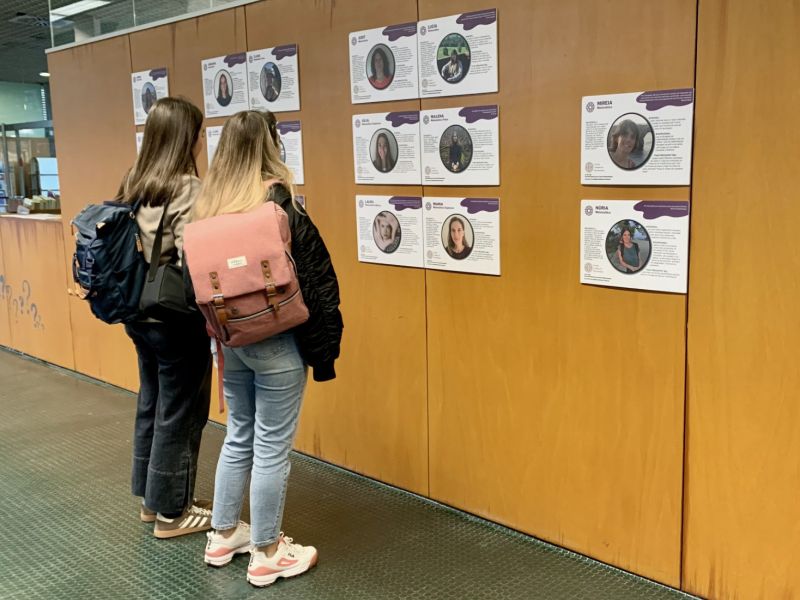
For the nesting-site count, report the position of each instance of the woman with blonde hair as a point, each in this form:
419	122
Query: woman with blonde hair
264	382
174	358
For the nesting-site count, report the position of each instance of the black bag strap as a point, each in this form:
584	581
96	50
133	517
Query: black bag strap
155	255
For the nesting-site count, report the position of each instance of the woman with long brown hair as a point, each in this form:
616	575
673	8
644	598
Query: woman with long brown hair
174	357
264	382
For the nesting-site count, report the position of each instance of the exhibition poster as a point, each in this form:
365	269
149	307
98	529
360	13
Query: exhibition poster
462	234
390	230
291	148
273	79
148	86
458	54
383	64
386	148
636	244
641	138
461	146
225	85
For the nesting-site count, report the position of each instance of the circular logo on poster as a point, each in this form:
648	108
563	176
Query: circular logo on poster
205	67
587	267
353	41
430	253
358	122
360	204
424	83
426	119
590	107
363	248
589	167
589	211
423	30
427	170
427	206
250	58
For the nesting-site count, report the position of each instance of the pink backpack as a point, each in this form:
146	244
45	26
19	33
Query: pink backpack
244	278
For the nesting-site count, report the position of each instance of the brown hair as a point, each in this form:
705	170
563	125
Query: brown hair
170	134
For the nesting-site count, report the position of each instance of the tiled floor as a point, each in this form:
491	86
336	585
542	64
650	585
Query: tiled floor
70	527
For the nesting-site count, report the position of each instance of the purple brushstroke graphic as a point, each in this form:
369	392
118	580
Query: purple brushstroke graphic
395	32
654	210
476	113
280	52
481	17
662	98
476	205
285	127
403	118
158	73
404	202
235	59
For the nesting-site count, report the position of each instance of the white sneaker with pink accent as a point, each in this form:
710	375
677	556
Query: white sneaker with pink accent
221	550
289	560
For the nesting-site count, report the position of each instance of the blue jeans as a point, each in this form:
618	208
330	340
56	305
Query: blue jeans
264	385
171	411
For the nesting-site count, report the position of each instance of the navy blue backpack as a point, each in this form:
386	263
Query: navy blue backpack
108	264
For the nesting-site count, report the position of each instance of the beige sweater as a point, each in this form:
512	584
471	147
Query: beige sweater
178	210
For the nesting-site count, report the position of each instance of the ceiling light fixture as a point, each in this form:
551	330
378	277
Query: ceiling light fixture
75	8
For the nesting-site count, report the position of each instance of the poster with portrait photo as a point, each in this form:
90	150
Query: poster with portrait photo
386	148
640	138
462	234
291	148
635	244
460	146
272	78
148	86
383	64
225	85
139	140
390	230
458	54
212	141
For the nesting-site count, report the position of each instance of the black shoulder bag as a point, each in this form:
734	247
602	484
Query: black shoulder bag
164	292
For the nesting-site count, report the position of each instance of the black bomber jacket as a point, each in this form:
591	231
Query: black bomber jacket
318	338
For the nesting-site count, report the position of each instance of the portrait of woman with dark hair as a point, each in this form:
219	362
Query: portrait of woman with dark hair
457	245
628	246
630	141
380	71
224	90
383	157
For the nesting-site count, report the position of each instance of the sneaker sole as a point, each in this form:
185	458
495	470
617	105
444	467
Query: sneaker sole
171	533
221	561
266	580
147	518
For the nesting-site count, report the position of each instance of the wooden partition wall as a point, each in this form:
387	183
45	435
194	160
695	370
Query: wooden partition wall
743	450
552	407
